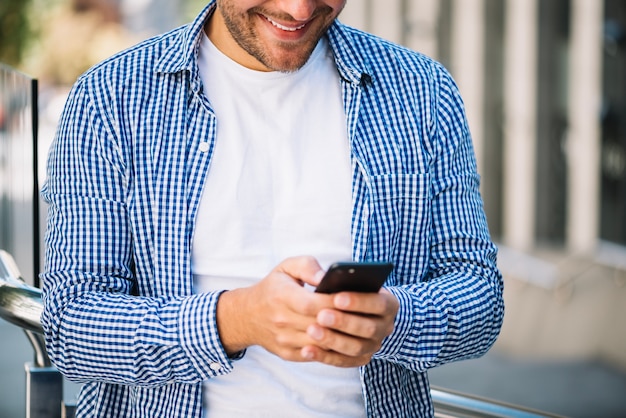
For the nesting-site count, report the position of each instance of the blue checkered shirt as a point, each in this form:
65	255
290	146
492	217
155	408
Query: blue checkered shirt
125	176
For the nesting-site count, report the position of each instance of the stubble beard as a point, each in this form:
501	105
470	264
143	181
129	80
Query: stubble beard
291	56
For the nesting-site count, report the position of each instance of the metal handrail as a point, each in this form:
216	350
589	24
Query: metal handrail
21	305
449	403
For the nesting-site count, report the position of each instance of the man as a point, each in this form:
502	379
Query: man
264	137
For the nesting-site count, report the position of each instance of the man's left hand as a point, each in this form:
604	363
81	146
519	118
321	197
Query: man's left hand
350	334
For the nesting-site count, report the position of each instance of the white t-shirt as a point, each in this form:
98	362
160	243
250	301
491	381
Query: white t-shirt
279	185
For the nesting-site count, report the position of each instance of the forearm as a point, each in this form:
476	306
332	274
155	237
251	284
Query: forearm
452	317
452	308
96	260
114	337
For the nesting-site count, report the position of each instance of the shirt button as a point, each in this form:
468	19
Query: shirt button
216	367
204	146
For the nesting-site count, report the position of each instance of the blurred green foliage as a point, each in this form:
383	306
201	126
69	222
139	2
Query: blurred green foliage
191	8
15	30
23	23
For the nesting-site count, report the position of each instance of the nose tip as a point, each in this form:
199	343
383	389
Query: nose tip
300	10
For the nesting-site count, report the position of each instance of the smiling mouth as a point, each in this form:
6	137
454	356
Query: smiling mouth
283	27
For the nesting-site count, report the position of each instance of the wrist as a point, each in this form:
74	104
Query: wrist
232	321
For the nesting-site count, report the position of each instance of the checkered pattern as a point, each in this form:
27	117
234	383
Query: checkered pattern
125	175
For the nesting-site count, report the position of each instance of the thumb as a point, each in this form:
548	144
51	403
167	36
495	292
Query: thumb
305	269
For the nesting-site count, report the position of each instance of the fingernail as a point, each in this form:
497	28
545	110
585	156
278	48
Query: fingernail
318	276
342	301
315	333
306	353
326	319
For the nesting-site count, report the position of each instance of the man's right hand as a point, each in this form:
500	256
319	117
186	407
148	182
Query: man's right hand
275	312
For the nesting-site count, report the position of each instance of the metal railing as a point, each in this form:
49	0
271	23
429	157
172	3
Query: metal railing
450	404
21	305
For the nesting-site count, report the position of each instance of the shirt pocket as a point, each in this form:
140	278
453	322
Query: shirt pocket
400	223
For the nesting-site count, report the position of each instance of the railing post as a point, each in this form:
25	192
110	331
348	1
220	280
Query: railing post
44	392
21	305
68	411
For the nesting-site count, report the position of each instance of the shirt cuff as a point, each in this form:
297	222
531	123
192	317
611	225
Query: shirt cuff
402	327
199	336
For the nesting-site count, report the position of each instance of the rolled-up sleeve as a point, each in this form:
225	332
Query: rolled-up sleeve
96	325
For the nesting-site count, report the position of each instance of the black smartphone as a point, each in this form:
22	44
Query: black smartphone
355	277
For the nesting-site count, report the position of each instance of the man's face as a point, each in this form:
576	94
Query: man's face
271	35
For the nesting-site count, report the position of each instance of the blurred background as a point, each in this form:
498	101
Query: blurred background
544	84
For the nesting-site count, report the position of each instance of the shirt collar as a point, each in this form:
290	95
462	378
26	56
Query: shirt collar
183	55
350	63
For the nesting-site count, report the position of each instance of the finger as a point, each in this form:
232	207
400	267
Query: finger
315	353
292	341
284	340
297	300
299	316
360	326
303	268
292	354
363	303
341	343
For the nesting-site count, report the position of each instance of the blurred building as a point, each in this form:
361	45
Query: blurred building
151	16
545	90
544	83
146	17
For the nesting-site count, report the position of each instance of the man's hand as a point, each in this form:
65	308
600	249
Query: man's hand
279	314
275	312
349	333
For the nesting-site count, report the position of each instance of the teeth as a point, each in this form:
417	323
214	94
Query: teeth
287	28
